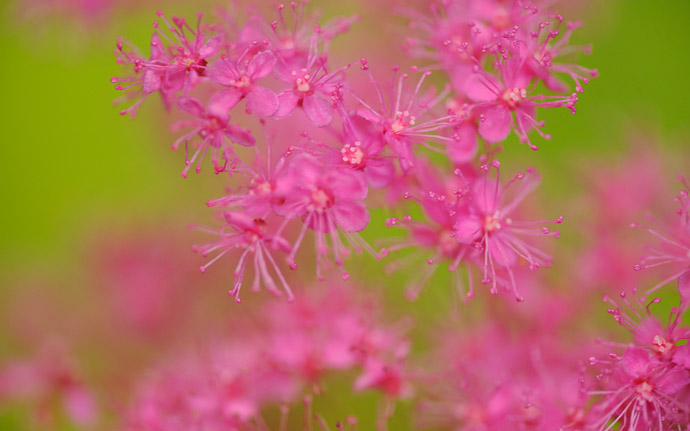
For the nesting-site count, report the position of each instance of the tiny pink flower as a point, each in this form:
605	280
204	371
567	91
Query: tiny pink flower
241	79
251	236
213	127
329	201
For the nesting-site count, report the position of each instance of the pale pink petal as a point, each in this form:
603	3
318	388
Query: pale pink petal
157	51
239	136
350	216
673	381
487	195
481	88
261	65
464	148
682	356
646	331
368	115
379	173
318	110
496	124
223	72
501	253
635	362
346	184
287	102
80	406
262	102
239	220
191	106
467	229
684	287
211	47
223	101
151	82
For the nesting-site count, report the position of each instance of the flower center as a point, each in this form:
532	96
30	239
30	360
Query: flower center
662	345
645	391
243	82
513	97
402	120
321	200
302	80
260	187
353	154
492	222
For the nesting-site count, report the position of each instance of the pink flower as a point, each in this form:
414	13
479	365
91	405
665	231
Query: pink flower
50	385
214	129
641	393
360	148
492	378
488	224
250	235
328	200
312	86
241	77
177	66
504	103
406	122
674	244
663	342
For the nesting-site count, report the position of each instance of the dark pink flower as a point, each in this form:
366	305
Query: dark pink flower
241	79
178	66
640	392
408	119
489	225
251	236
673	247
329	201
213	127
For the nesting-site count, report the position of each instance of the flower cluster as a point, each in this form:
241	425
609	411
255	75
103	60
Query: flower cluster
332	134
225	385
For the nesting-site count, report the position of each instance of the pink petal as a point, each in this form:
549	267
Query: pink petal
211	47
157	51
223	101
151	82
80	406
262	102
682	356
239	136
501	253
465	147
379	173
239	220
635	362
684	287
496	124
318	110
646	331
369	116
279	243
191	106
673	381
350	216
346	184
487	195
481	88
223	72
287	102
261	65
467	229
